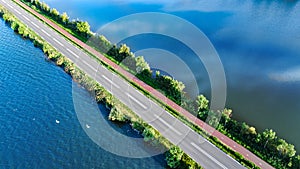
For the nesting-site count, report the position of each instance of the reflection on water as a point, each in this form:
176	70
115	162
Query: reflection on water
258	42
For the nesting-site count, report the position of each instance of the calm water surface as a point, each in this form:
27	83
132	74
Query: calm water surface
258	43
38	124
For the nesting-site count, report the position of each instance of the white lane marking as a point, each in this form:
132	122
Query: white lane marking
58	42
88	65
72	53
17	11
167	124
26	18
138	102
110	81
35	25
9	5
209	156
45	32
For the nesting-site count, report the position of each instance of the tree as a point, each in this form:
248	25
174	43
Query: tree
173	156
14	25
141	64
124	52
268	135
157	73
252	131
124	49
213	118
245	128
130	62
7	17
202	103
296	162
54	13
172	88
116	115
64	18
149	134
100	43
36	3
285	149
45	7
227	113
23	31
83	28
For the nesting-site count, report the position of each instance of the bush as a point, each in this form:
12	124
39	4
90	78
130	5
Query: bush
173	157
116	115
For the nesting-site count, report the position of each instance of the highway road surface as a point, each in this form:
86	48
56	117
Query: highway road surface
203	152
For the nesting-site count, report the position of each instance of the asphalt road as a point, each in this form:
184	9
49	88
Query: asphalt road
203	152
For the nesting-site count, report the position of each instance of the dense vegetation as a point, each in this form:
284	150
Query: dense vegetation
274	150
118	111
266	145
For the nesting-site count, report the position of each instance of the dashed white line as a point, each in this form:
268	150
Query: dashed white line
58	42
35	25
17	11
89	65
72	53
9	5
167	124
45	32
138	102
26	18
110	81
209	156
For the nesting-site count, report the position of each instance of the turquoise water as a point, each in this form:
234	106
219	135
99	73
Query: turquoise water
258	43
38	124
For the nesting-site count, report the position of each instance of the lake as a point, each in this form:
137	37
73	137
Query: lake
257	41
38	124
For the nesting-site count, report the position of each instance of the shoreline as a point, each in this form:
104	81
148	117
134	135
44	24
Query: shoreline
217	134
89	84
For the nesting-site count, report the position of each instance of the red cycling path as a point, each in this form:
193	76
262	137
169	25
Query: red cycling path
224	139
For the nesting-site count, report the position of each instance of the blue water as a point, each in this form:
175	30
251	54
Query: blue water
38	124
258	43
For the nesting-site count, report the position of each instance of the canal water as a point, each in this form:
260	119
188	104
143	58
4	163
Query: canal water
38	124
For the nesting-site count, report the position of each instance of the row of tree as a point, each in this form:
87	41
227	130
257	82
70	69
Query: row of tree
81	28
276	151
118	111
266	145
166	84
121	54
